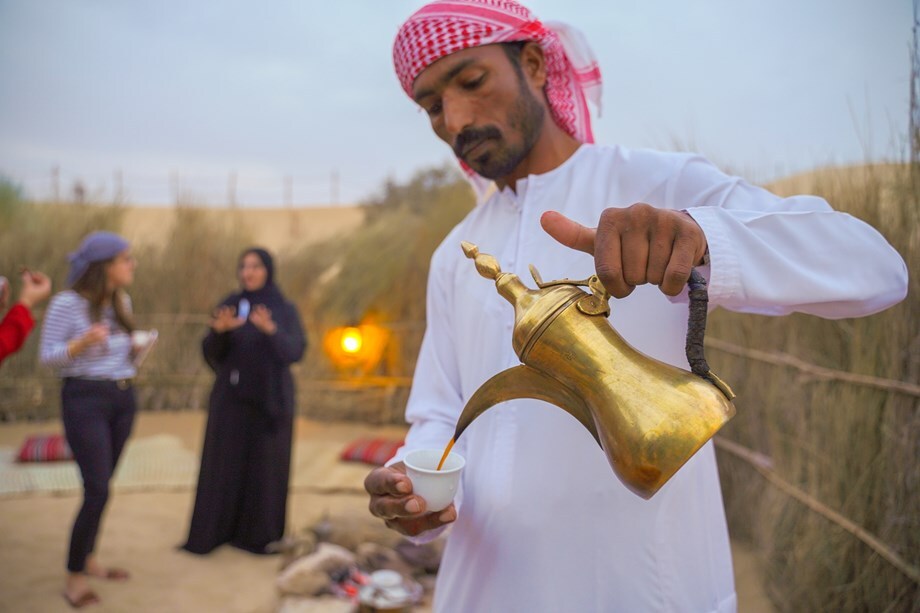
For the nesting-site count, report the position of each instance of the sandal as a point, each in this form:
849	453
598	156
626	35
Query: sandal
87	598
112	574
117	574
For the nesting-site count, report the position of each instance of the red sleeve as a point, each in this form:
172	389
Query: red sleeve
14	329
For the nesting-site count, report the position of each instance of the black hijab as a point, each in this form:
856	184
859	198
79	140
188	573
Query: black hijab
268	294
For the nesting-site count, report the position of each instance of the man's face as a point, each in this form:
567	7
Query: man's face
481	105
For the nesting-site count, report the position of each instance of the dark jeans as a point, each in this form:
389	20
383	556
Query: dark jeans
97	416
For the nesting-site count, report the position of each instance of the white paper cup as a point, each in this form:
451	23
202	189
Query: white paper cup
437	487
140	338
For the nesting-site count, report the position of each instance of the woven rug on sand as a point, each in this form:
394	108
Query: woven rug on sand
154	462
161	462
315	466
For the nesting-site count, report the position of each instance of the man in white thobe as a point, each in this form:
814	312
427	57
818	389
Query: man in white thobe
541	523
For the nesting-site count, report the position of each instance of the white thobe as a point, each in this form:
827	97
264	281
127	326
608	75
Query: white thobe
543	522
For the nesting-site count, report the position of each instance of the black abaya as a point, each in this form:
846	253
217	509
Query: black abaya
242	489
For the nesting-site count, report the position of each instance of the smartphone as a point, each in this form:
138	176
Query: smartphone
243	310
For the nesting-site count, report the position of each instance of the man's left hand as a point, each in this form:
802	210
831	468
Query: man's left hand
635	245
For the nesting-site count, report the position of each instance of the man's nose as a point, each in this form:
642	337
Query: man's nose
458	115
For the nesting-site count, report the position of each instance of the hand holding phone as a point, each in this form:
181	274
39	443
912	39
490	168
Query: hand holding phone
243	310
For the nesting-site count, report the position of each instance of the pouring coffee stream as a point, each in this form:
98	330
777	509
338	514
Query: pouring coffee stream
648	417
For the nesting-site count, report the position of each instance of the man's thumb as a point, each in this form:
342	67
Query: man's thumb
569	233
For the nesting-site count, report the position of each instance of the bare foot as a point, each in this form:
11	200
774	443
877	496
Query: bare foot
77	592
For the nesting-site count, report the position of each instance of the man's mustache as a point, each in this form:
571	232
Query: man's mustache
472	136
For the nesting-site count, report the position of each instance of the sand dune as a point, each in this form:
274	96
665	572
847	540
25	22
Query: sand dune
278	229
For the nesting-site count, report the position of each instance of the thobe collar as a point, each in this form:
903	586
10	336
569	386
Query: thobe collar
515	198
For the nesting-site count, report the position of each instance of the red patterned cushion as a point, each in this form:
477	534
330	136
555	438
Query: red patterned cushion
45	448
374	451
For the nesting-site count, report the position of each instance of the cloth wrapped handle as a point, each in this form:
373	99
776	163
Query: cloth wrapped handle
696	331
696	327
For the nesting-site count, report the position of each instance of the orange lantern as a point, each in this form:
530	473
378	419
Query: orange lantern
356	347
351	340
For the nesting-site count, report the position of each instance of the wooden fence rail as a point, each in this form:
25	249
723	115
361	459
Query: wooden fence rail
784	359
764	466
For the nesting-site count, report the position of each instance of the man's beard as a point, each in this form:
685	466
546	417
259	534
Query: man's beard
525	117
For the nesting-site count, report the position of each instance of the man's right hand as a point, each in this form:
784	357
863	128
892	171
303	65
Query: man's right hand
392	501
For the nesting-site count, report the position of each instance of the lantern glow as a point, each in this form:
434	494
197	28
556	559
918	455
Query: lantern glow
352	340
355	349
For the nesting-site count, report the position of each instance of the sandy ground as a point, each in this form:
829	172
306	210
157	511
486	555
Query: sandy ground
141	531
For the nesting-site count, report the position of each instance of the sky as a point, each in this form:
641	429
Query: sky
279	102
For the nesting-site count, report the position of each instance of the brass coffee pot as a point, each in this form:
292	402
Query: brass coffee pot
648	417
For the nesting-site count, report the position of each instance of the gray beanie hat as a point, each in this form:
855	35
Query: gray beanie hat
96	247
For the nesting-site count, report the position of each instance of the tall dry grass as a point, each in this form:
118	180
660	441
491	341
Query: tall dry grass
378	274
186	274
851	447
375	274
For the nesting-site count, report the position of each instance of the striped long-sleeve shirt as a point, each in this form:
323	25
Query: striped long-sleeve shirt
67	318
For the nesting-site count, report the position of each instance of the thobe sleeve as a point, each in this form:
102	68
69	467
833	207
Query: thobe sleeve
774	256
435	400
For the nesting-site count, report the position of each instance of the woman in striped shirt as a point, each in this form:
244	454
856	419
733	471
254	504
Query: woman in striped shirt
86	338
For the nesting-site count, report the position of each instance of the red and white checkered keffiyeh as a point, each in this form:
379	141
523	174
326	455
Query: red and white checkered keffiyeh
446	26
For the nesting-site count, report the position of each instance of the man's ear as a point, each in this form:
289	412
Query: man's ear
533	63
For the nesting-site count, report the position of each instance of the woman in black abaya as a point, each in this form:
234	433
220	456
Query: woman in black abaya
255	336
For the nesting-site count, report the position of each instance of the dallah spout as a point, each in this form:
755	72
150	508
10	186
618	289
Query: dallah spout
525	382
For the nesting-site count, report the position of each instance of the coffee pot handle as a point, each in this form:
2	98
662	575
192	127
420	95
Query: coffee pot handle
696	331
